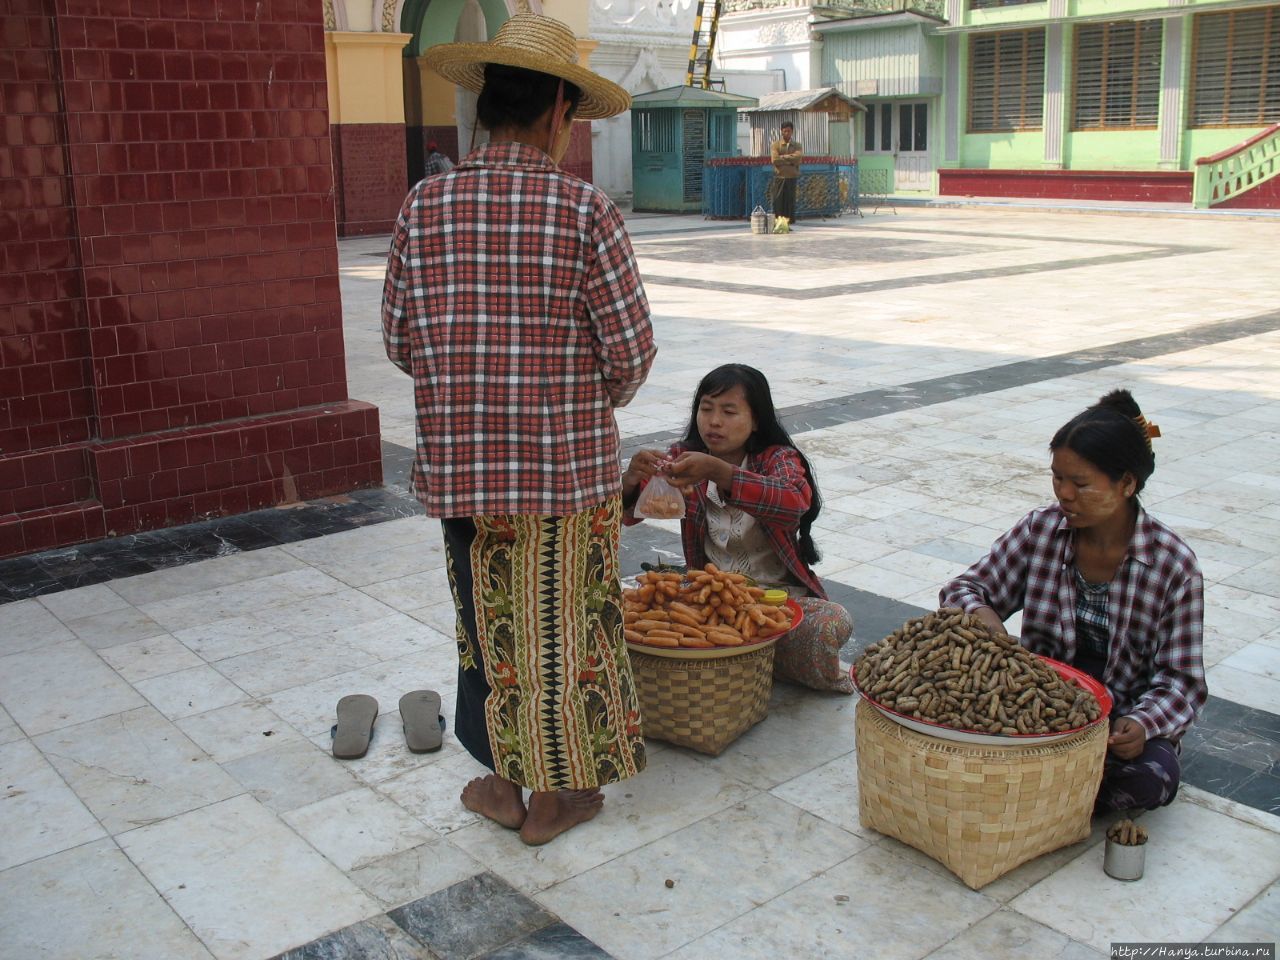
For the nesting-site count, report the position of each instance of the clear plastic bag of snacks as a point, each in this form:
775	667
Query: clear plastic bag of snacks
659	500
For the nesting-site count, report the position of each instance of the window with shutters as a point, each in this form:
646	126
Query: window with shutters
1235	77
1006	81
1117	75
653	131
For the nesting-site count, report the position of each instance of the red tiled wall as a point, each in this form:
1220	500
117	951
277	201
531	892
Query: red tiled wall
370	174
170	265
45	376
1265	196
1151	186
577	159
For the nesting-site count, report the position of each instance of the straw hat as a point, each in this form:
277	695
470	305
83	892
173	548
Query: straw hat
535	43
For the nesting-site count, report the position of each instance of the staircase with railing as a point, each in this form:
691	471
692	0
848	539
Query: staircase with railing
1237	170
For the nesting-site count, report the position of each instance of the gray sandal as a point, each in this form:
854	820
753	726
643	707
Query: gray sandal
354	730
423	722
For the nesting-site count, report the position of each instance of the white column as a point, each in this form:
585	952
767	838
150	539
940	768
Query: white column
1053	97
951	98
1171	96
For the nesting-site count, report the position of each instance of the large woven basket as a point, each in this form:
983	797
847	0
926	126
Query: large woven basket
978	810
703	704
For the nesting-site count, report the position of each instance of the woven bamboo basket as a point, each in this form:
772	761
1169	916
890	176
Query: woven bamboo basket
978	810
703	704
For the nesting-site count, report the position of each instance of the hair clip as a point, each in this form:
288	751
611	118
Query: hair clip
1149	429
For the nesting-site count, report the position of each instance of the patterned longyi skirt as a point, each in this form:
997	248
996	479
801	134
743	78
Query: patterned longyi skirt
546	697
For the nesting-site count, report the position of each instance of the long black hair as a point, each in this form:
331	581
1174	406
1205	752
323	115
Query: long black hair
516	97
1112	435
768	433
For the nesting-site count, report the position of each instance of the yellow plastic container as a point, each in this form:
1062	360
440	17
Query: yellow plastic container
775	597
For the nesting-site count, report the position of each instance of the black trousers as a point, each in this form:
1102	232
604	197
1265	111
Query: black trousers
784	197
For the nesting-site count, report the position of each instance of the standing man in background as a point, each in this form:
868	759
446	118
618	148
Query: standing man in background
786	155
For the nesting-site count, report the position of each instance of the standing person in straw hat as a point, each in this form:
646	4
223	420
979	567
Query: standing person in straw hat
513	299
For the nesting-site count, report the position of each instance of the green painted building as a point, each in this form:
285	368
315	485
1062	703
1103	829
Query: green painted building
1113	99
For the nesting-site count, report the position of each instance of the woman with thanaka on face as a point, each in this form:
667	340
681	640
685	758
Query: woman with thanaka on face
513	299
751	502
1104	586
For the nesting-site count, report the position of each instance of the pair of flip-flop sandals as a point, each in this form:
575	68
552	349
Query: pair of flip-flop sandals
419	709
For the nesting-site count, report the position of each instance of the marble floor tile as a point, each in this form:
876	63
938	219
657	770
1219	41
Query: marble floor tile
1257	658
394	636
377	938
133	921
114	627
432	791
868	905
414	873
311	707
555	941
1209	864
291	775
830	792
61	685
331	614
1255	923
232	637
412	591
243	882
239	598
1007	935
39	814
385	562
796	737
185	693
153	657
9	730
388	756
767	845
83	602
265	672
1242	686
28	625
237	730
357	828
135	768
683	789
168	584
471	918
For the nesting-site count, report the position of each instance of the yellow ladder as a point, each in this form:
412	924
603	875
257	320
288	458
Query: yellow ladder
705	22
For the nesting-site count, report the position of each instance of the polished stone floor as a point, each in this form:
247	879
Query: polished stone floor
168	790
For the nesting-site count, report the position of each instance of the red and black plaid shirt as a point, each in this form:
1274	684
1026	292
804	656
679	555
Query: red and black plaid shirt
773	488
513	299
1155	665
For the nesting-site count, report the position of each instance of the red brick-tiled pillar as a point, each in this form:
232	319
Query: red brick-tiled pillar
170	323
366	110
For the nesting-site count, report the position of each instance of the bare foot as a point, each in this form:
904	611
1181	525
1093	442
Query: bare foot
551	814
498	799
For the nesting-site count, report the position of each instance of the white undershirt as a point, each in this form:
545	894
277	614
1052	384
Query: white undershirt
736	542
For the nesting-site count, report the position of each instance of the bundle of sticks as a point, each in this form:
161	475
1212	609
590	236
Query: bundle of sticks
704	608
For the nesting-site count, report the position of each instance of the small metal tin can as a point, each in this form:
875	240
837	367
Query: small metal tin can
1123	862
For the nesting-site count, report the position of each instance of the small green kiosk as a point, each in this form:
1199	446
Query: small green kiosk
673	132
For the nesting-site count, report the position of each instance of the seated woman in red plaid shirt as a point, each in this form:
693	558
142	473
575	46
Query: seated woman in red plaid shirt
751	506
1106	587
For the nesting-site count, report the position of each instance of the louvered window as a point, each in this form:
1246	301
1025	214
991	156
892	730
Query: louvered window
1236	73
1006	81
1117	75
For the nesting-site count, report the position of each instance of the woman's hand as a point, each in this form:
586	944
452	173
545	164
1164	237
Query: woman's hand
991	620
691	468
1128	737
643	465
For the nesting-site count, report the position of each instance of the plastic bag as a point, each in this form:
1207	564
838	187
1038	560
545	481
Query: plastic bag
781	225
659	500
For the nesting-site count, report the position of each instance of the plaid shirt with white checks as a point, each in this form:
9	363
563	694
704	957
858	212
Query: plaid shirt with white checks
1155	665
513	299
